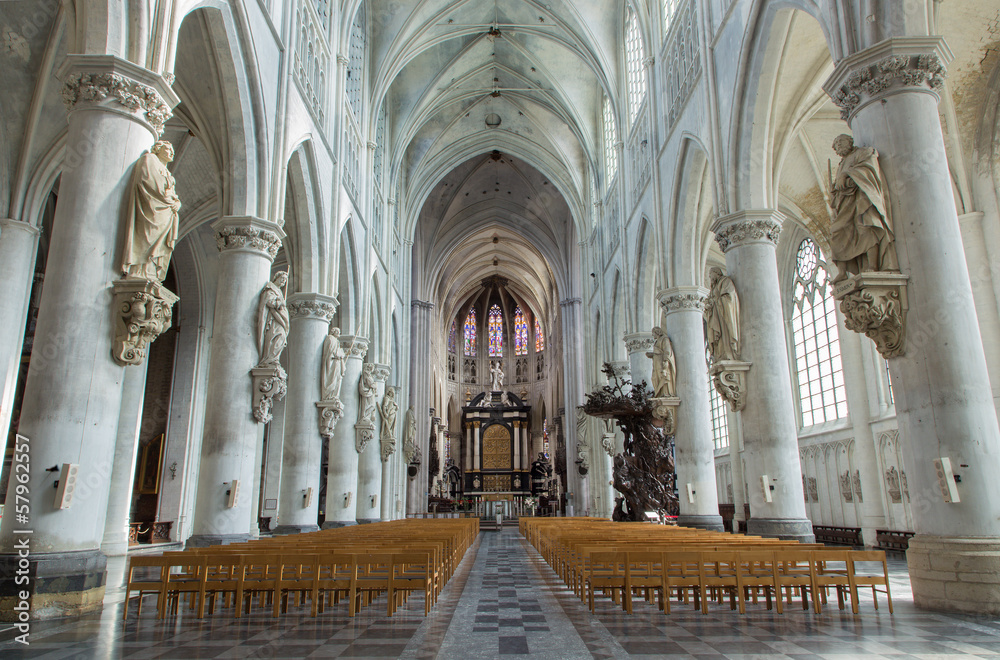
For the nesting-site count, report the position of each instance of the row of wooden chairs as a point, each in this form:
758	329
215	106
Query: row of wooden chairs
661	562
354	564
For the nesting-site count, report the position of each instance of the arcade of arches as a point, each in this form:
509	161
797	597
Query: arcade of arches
488	200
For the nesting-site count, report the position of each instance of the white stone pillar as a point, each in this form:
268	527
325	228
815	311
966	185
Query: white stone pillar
420	399
640	366
73	391
517	445
944	402
115	542
477	462
573	392
18	247
298	501
694	456
342	471
983	289
370	461
770	431
736	463
247	247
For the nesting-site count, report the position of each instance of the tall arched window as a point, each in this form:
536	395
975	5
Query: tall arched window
355	61
496	331
520	333
822	394
634	66
669	8
451	337
539	337
470	334
610	142
720	422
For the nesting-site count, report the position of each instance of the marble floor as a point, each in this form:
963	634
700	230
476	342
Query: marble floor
505	601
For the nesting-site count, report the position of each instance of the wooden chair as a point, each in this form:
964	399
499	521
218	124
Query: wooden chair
833	571
606	571
867	579
795	570
756	572
719	576
682	572
411	571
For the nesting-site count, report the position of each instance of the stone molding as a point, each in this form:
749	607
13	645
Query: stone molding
621	369
875	305
747	227
665	413
311	306
248	233
422	304
330	412
570	301
364	433
608	444
899	64
269	385
730	380
639	342
683	299
143	313
114	83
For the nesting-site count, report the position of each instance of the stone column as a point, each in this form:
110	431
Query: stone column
694	455
983	288
572	346
640	366
73	391
247	247
370	461
115	542
298	501
770	433
342	474
944	402
18	247
420	399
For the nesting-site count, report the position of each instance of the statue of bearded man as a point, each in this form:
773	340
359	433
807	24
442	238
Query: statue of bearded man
151	216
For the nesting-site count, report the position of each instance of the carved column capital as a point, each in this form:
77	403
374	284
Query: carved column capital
312	306
422	304
683	299
382	372
354	346
893	66
569	302
747	227
114	84
246	233
639	342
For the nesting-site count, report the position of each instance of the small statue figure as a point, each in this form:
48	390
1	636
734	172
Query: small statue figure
496	375
151	216
664	365
861	235
388	409
410	448
366	390
334	363
272	321
722	316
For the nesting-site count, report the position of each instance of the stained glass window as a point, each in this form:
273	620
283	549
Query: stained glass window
520	333
470	334
822	393
539	338
635	66
496	331
451	337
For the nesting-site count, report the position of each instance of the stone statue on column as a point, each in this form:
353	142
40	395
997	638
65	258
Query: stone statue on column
269	378
861	236
664	365
334	364
722	320
869	286
388	410
142	304
722	316
366	407
411	452
151	216
496	376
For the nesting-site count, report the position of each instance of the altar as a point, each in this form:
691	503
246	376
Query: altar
497	458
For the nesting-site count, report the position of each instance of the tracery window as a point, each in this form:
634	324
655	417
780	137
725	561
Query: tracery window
669	8
720	422
495	326
539	337
520	333
355	61
610	142
634	66
822	394
470	334
451	336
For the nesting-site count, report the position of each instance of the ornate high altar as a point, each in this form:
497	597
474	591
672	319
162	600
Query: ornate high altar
496	460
